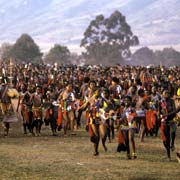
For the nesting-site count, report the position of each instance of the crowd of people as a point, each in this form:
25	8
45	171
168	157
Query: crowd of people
132	99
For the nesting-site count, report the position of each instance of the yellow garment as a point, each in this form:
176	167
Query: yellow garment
91	120
105	105
12	92
178	92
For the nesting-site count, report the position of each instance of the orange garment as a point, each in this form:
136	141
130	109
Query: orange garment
49	81
145	97
87	117
59	119
162	132
25	113
26	116
37	112
151	119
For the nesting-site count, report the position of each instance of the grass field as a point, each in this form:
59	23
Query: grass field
48	157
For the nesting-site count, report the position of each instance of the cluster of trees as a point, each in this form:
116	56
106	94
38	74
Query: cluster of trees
24	50
146	56
106	41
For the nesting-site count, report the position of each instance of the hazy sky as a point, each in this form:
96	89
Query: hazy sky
49	22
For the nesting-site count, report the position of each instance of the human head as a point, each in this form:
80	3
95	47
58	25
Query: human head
92	84
127	101
114	81
165	94
153	89
68	86
38	89
141	92
105	92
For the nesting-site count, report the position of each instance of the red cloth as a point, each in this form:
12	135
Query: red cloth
59	119
150	119
162	132
120	137
87	117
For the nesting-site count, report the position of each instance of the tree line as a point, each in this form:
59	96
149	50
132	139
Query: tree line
106	41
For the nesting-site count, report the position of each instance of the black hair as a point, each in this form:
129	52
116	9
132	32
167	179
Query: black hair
115	79
140	91
86	79
128	97
92	81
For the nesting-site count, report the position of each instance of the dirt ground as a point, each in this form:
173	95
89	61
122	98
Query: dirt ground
70	157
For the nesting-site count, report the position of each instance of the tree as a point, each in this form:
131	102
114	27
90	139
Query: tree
26	50
143	56
108	40
168	57
76	59
6	51
58	54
